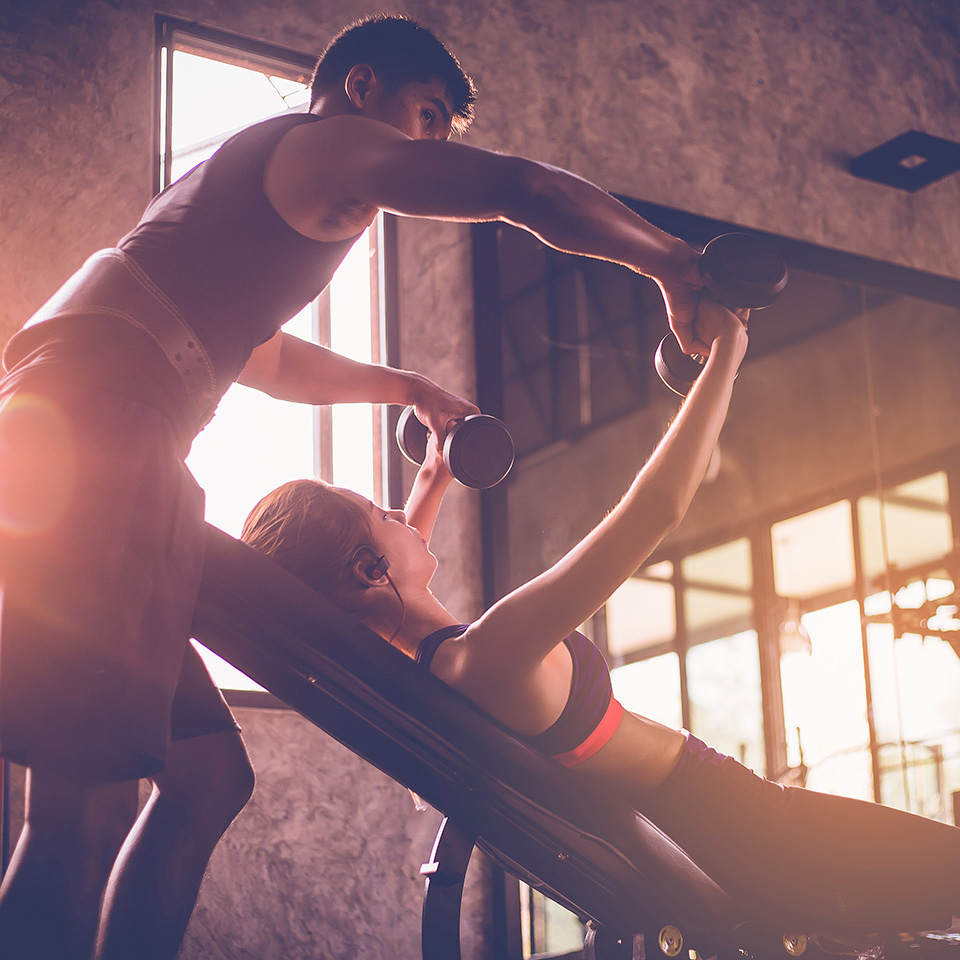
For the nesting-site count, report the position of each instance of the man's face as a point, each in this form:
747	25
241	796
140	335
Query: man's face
420	110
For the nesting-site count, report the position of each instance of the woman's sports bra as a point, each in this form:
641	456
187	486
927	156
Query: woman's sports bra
591	714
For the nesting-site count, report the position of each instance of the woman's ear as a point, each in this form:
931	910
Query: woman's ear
368	568
359	83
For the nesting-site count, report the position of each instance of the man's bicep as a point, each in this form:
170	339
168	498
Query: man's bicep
329	176
368	163
442	180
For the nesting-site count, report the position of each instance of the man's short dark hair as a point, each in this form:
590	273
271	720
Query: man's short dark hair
400	50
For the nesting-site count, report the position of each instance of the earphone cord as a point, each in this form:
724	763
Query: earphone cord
403	607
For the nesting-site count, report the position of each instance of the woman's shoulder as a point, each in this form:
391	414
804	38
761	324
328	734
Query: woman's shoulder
430	644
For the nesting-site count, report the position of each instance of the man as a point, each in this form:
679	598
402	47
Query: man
101	545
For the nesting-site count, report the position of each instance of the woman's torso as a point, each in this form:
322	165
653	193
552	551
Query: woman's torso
556	705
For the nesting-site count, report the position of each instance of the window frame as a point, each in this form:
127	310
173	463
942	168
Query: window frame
218	44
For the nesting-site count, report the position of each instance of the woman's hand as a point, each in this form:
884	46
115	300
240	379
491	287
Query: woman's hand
434	466
713	323
681	287
428	489
438	409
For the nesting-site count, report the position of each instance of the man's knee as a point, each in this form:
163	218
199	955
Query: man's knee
211	776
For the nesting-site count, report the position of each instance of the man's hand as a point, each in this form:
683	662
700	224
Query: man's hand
437	409
681	289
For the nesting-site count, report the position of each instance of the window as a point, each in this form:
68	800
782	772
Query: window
723	679
211	86
913	526
576	336
824	703
642	613
681	640
641	619
813	552
651	687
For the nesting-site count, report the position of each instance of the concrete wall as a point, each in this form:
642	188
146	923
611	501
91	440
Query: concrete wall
744	111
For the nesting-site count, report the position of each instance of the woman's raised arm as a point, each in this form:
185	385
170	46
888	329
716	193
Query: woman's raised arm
426	495
531	620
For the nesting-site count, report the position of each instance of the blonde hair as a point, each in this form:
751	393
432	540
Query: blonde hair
313	530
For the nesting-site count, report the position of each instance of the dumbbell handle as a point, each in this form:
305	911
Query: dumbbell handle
478	450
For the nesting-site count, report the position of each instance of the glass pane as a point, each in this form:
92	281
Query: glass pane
715	612
717	598
350	335
651	688
640	613
723	683
252	445
547	928
813	553
727	565
915	682
917	528
213	99
825	706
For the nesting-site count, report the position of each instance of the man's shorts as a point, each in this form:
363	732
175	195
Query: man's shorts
101	551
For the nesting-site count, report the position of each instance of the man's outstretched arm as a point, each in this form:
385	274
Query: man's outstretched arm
346	164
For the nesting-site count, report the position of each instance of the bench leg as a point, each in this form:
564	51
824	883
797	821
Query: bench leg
443	891
602	944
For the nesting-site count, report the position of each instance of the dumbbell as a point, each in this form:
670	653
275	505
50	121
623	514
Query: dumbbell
741	271
478	450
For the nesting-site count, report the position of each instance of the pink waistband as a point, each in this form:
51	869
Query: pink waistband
600	736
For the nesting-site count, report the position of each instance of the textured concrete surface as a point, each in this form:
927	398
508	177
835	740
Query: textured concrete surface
323	862
435	294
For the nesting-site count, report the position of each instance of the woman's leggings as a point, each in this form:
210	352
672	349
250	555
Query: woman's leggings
843	864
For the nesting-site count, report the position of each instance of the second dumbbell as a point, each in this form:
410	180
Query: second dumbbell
478	450
741	271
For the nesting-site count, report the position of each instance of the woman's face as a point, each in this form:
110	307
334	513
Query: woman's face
410	558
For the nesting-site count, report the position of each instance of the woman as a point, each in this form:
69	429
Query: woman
841	864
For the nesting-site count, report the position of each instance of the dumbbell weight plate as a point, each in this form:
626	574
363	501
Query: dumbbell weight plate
674	367
479	451
741	270
412	436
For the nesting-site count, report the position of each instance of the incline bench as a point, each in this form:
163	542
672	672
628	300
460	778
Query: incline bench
543	823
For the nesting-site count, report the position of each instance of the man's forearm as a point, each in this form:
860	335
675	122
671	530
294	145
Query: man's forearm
455	182
289	368
573	215
304	372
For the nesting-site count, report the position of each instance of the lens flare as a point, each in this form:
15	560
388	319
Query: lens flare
37	465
